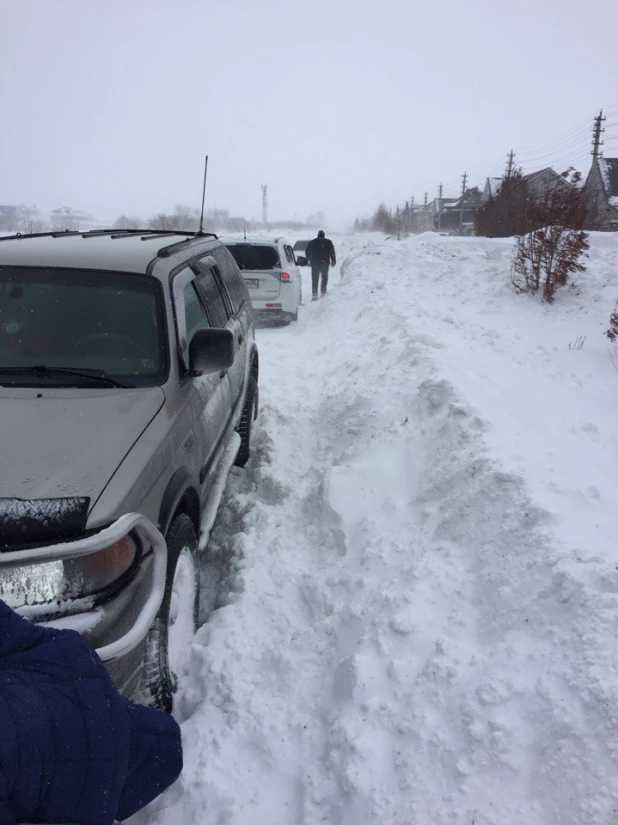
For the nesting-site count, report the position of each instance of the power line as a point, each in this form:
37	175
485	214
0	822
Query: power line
583	134
583	140
539	147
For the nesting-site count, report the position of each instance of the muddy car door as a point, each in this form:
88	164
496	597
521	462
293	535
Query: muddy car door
210	394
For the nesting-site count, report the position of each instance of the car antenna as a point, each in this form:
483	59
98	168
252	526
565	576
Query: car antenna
200	231
245	230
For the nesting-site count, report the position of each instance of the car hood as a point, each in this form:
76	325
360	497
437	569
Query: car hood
57	443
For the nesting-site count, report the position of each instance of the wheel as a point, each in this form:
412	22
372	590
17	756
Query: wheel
168	640
244	428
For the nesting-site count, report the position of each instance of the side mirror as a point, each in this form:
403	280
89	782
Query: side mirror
302	261
211	350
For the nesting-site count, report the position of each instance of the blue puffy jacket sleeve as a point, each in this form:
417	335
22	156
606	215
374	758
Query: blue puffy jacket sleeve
6	811
73	749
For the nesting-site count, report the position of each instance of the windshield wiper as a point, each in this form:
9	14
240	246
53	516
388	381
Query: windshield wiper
42	370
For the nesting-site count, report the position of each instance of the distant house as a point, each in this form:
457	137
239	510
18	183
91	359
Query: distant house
491	188
72	219
601	194
429	217
538	183
458	215
544	181
10	216
424	218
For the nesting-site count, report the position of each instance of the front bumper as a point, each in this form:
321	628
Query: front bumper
273	314
78	613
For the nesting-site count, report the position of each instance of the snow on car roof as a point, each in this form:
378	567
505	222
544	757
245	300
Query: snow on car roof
114	251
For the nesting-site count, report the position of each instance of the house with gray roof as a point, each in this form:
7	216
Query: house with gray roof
601	194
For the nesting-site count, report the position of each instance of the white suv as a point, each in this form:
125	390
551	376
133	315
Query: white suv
271	275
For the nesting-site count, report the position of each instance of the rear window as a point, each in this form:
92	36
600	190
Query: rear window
249	256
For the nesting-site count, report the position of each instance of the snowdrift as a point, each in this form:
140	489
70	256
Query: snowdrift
415	582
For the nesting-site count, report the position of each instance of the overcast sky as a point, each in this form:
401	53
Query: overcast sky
110	105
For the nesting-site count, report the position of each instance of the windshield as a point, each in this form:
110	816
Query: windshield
80	320
249	256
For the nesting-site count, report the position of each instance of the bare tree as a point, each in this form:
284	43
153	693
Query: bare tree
182	219
30	222
128	222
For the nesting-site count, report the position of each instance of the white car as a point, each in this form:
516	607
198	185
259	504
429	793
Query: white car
271	275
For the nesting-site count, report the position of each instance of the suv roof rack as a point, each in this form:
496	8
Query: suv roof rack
116	234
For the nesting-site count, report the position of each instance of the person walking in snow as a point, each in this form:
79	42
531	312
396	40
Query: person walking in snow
320	254
72	749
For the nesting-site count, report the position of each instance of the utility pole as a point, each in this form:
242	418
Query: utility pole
461	202
597	131
509	165
440	189
265	204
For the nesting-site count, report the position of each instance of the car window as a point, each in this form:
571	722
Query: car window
82	319
252	256
231	277
211	296
289	254
195	316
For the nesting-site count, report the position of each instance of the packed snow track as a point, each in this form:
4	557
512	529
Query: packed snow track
411	592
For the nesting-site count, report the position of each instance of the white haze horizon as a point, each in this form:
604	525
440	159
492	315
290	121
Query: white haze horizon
337	106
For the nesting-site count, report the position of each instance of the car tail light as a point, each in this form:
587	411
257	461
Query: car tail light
273	306
285	276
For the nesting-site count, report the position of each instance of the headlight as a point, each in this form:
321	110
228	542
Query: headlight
71	579
34	584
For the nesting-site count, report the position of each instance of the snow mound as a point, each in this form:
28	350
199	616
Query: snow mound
417	587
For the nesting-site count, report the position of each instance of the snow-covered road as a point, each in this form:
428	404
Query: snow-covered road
416	576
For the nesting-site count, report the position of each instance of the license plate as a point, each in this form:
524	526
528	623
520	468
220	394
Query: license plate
252	283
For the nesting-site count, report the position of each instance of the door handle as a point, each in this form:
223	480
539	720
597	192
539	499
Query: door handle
241	338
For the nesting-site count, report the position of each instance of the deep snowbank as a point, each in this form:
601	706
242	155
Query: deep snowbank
417	575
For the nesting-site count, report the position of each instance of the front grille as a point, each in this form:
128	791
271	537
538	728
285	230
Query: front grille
30	522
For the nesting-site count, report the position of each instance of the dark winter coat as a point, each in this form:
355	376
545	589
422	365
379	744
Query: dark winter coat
321	252
71	748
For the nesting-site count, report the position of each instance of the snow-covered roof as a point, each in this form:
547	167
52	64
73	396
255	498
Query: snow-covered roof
608	167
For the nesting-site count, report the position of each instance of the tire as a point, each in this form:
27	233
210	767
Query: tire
176	619
249	414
